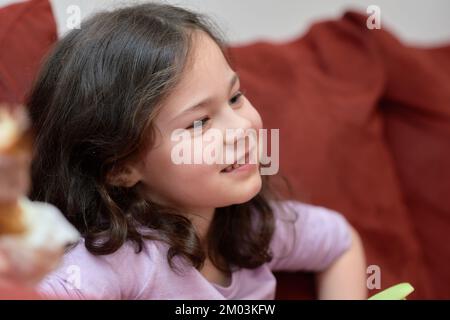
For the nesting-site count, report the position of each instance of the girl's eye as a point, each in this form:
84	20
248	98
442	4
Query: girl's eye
202	123
235	99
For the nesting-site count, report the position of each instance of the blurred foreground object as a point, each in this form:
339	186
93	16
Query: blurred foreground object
13	141
33	235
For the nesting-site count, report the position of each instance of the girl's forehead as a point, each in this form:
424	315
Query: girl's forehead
206	63
205	75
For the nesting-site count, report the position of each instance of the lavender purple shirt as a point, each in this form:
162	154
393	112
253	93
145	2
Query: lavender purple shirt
311	243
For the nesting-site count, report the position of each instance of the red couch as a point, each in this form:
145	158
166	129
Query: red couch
364	129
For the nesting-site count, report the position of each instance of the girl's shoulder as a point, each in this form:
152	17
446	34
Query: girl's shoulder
306	236
294	209
307	216
113	276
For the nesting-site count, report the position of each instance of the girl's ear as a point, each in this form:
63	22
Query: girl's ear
125	176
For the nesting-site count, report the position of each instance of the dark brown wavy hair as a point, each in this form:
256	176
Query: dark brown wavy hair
92	108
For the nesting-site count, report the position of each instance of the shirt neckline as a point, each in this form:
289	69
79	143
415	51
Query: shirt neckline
231	289
226	291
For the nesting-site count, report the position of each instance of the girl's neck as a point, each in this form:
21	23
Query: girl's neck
201	219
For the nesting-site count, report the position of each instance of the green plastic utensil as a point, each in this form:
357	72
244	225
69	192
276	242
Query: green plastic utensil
398	292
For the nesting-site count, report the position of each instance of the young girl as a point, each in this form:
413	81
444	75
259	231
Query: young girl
104	108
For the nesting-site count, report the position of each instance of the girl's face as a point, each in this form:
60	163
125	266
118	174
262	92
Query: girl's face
208	83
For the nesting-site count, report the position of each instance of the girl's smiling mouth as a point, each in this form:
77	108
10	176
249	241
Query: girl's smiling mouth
241	166
235	168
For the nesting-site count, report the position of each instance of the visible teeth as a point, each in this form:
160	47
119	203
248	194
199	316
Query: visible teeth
232	167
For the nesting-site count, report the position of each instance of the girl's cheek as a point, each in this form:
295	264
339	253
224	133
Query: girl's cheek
156	161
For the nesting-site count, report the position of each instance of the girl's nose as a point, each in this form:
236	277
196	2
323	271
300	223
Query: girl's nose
237	124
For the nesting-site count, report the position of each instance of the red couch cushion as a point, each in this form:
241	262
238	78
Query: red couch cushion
27	30
416	110
323	92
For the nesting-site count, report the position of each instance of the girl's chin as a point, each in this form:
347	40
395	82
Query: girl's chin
244	191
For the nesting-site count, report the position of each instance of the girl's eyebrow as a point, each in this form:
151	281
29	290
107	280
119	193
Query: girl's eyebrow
204	102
